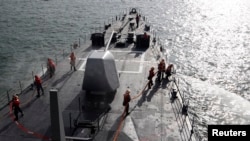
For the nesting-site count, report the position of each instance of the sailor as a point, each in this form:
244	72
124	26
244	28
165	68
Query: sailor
51	67
150	77
126	101
15	106
161	70
137	20
168	70
72	61
38	83
145	35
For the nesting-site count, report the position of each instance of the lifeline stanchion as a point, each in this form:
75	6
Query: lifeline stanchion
85	37
42	69
70	120
33	76
79	103
20	85
56	59
8	97
63	54
79	43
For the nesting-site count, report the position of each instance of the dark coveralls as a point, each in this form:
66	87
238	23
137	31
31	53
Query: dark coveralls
38	84
150	77
137	20
126	101
16	108
168	71
161	69
51	67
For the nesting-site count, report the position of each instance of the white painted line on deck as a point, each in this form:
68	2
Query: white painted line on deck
81	68
133	61
141	61
127	51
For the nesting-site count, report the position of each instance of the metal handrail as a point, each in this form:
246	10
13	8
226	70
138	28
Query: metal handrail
6	98
187	116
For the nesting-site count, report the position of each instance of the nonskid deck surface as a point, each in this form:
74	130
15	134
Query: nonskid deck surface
151	117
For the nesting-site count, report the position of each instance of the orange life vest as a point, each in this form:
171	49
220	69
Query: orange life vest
127	99
38	80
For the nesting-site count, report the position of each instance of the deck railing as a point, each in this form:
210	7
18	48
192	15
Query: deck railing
185	120
185	123
22	87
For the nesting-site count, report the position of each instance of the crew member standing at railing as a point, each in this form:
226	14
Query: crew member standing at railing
168	71
126	101
15	106
72	61
51	67
150	77
38	83
161	70
137	20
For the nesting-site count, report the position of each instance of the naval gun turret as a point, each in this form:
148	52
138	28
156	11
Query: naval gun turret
100	73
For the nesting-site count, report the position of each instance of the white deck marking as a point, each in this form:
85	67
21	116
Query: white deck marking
141	61
81	68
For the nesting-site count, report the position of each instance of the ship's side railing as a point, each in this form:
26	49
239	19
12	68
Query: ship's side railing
84	36
185	121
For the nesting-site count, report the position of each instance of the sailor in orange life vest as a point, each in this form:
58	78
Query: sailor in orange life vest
15	106
126	101
38	83
150	77
72	61
51	67
145	36
161	70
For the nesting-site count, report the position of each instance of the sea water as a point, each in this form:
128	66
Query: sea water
207	41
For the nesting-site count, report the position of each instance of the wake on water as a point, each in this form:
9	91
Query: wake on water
212	104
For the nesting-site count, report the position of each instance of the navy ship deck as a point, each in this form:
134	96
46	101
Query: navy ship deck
152	117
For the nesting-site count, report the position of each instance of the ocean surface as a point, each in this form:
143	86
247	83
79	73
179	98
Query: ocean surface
207	40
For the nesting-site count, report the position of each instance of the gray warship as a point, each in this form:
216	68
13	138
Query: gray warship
87	104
